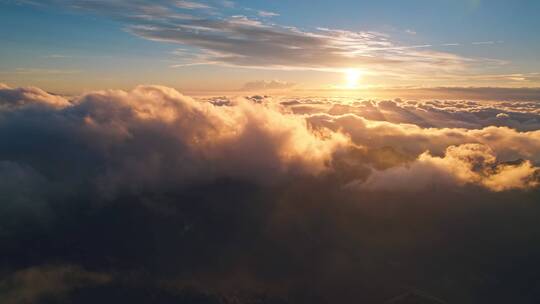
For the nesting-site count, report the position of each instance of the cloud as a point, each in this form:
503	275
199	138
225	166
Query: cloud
410	32
268	85
228	4
267	14
241	41
148	195
191	5
20	97
48	282
57	56
464	164
262	140
24	193
507	143
198	140
483	42
521	115
26	71
489	93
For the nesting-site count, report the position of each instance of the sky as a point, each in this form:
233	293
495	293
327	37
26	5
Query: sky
223	46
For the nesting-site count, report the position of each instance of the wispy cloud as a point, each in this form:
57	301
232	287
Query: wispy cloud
490	42
228	4
40	71
57	56
191	5
267	14
411	32
483	42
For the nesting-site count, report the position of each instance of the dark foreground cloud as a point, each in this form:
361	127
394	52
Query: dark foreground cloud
149	196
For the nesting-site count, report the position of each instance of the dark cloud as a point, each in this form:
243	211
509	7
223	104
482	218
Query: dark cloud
148	196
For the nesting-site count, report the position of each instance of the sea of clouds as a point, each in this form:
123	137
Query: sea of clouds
148	195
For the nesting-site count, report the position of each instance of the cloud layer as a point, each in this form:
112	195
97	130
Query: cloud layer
149	195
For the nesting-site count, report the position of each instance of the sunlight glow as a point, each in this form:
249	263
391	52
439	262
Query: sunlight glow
352	77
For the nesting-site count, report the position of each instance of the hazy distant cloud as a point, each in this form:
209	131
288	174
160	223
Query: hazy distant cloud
268	85
491	93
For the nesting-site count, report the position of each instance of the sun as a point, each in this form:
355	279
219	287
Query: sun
352	76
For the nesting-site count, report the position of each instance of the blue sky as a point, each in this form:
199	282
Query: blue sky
62	47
